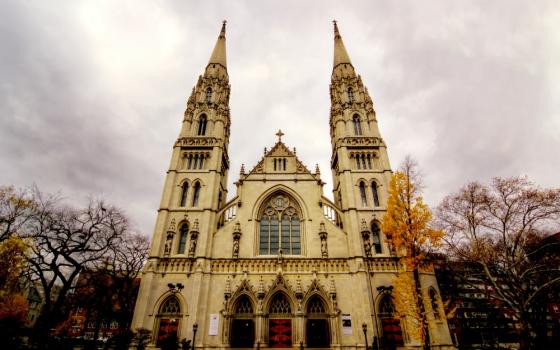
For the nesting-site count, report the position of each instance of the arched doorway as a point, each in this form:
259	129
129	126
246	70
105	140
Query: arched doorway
169	315
317	324
391	326
242	333
280	322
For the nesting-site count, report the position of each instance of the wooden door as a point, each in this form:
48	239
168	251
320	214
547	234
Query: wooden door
280	333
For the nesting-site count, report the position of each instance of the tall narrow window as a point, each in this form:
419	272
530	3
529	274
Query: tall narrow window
201	162
376	237
284	162
369	161
190	161
196	194
350	95
375	193
357	125
274	164
195	162
208	94
202	125
358	161
183	231
364	161
363	193
184	193
279	228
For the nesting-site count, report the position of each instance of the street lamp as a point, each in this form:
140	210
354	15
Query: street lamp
364	328
194	328
380	291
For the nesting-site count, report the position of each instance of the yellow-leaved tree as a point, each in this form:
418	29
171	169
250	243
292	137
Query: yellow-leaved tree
407	224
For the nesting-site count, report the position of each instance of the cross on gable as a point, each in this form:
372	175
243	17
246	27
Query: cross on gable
279	134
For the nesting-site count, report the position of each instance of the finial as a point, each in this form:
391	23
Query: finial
265	150
295	152
242	171
279	134
335	27
223	31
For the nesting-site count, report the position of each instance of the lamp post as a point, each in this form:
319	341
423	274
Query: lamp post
364	328
380	290
194	328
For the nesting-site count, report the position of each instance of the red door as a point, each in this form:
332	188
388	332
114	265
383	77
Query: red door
280	333
167	329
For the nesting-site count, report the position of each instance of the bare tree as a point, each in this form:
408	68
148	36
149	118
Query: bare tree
64	242
496	229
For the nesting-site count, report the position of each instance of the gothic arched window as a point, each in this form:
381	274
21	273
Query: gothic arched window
363	193
202	125
376	237
209	94
196	194
357	125
350	95
280	227
183	232
375	193
184	193
316	306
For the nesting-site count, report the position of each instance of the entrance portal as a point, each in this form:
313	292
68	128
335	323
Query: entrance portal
317	333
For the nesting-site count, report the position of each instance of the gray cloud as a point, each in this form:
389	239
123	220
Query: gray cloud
92	94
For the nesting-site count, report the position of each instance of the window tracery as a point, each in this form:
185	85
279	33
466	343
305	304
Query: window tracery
280	305
280	227
171	306
244	306
316	306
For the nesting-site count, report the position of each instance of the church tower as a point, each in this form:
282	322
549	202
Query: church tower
359	161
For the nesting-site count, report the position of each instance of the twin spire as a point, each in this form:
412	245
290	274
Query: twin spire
219	53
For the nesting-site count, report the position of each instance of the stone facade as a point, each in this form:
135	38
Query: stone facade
279	265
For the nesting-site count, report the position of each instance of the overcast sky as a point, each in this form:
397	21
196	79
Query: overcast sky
92	93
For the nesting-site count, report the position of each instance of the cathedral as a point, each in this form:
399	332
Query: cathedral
279	264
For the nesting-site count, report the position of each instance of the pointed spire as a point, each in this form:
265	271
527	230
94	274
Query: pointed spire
340	53
219	53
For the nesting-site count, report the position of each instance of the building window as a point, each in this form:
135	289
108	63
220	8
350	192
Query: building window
183	232
280	227
196	194
357	125
209	94
350	95
184	193
375	193
376	237
369	161
363	193
202	125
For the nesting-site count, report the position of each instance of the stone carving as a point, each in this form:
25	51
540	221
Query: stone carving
194	237
169	238
366	238
236	237
323	236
